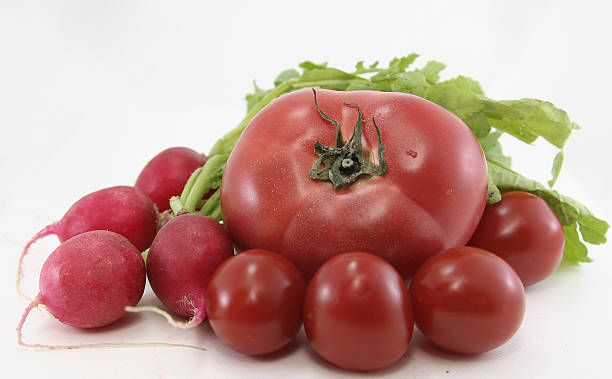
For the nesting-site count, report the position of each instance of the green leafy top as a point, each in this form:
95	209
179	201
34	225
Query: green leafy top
526	119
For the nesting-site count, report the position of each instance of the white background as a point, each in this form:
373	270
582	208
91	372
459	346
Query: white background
90	90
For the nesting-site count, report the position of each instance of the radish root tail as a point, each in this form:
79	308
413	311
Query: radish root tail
110	344
195	321
46	231
35	304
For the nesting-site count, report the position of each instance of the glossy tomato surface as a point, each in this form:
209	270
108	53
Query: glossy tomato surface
467	300
254	302
525	232
357	312
430	198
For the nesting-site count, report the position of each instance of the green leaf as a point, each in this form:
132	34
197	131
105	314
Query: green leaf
493	149
409	81
402	63
594	230
514	127
556	169
432	71
493	193
478	123
575	251
527	119
308	65
286	76
464	97
255	97
396	66
360	68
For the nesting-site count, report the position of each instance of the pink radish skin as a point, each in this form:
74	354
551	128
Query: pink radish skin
167	173
89	280
181	260
123	209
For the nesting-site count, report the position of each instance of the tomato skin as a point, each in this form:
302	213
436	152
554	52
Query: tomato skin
524	231
254	302
467	300
357	312
431	197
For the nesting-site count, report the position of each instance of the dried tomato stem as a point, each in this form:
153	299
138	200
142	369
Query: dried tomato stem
345	163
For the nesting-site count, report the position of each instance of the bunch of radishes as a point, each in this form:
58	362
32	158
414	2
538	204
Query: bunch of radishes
98	270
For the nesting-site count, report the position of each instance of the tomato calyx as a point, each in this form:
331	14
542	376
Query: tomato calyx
343	164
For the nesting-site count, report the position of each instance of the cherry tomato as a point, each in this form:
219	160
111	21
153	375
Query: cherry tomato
430	198
525	232
357	312
254	302
467	300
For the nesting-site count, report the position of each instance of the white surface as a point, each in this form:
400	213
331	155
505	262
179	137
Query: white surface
89	91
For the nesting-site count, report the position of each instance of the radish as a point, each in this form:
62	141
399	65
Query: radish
89	280
181	260
166	174
122	209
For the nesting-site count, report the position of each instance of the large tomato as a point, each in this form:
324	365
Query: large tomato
430	198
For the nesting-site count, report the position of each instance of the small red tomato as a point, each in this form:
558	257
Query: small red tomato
525	232
467	300
357	312
254	302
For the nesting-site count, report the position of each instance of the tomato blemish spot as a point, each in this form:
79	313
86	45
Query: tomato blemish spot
411	153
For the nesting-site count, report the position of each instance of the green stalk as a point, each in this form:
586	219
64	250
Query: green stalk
189	184
228	141
212	206
202	183
328	84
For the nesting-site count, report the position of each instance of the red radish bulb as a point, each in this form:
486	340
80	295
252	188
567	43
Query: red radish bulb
167	173
181	260
89	280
